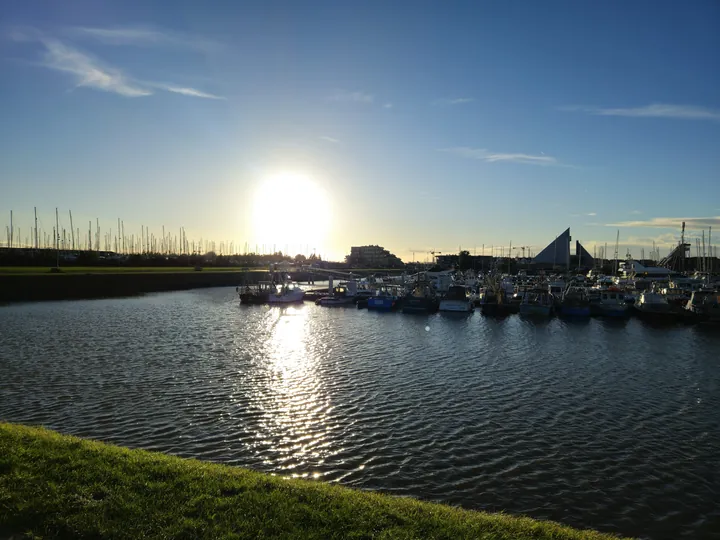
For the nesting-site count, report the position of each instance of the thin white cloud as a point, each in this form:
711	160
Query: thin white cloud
592	214
87	71
329	139
90	72
655	110
186	91
353	97
388	106
453	101
636	212
492	157
140	36
671	223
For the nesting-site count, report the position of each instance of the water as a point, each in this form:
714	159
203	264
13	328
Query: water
602	424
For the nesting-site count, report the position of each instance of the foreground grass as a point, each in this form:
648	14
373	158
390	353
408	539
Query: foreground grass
57	486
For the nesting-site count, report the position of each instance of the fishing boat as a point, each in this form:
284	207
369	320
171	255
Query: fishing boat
575	302
496	298
537	302
422	299
387	298
254	295
341	295
705	306
610	302
457	299
651	304
288	293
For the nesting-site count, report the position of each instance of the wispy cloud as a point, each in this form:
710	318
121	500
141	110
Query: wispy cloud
486	155
140	36
671	222
655	110
388	106
185	91
353	97
453	101
591	214
636	212
329	139
90	72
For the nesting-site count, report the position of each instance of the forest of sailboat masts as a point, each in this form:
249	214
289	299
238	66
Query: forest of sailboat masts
65	234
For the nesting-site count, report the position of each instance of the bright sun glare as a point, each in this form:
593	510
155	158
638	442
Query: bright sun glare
290	213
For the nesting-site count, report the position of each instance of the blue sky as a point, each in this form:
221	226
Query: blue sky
429	125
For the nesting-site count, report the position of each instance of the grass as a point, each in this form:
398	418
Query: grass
55	486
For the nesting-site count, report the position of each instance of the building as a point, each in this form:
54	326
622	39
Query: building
557	253
372	257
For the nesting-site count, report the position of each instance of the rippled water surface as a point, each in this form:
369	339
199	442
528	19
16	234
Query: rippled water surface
602	424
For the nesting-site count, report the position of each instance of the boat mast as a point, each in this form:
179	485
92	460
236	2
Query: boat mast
617	244
57	239
72	230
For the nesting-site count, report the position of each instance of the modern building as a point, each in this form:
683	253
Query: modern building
372	257
557	252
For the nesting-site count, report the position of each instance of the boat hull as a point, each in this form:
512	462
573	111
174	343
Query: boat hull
575	311
383	303
289	298
461	306
535	310
414	304
611	310
330	301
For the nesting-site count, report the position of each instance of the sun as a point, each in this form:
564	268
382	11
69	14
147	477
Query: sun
291	213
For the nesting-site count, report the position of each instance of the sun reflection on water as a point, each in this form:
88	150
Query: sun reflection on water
294	424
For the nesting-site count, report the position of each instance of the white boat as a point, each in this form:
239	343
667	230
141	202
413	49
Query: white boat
457	299
289	293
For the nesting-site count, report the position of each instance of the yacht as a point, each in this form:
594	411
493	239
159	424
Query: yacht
457	299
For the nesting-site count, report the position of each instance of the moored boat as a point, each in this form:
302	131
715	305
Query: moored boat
289	293
387	298
255	294
610	303
537	302
705	306
457	299
422	299
575	302
650	304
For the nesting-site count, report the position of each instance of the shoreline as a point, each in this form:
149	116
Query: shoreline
100	490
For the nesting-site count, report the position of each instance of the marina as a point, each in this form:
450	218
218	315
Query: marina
590	421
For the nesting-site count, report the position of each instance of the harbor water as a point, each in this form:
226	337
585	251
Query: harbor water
604	424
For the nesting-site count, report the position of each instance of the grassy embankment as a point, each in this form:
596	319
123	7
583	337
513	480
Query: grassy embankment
57	486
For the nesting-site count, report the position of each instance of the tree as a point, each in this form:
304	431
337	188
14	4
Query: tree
464	260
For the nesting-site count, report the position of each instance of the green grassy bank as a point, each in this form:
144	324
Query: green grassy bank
57	486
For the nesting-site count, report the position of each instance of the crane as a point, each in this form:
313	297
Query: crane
523	248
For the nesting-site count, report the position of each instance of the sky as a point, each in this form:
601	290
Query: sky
318	125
